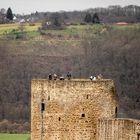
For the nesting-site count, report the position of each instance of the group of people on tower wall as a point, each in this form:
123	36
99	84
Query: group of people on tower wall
98	77
55	77
68	76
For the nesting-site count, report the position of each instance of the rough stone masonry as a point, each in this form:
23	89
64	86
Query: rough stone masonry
73	109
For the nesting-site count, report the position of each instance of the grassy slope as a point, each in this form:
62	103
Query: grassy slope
32	31
54	46
14	136
67	33
66	45
8	28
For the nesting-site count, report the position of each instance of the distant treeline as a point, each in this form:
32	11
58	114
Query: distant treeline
111	14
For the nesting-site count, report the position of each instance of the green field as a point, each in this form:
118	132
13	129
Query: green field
32	31
13	29
9	27
14	136
10	30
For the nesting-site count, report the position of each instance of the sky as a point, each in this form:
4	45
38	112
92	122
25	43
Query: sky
30	6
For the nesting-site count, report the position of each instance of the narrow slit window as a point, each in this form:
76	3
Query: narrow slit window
116	111
138	136
83	115
87	96
59	119
48	98
42	106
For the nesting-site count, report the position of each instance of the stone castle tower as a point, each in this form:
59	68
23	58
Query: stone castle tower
75	110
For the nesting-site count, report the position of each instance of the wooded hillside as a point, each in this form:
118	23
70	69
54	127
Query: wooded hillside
110	50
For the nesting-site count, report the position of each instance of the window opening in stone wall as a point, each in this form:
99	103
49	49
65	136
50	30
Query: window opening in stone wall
48	98
59	119
42	106
83	115
87	96
138	136
116	111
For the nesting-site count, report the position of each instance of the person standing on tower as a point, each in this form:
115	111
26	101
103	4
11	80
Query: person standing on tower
69	75
55	77
50	77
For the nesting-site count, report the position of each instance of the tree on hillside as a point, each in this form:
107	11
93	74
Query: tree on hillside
88	18
21	33
1	18
9	14
95	19
56	22
56	19
2	15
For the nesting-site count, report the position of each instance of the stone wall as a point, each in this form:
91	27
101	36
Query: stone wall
70	109
118	129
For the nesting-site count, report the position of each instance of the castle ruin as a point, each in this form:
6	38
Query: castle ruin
78	110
